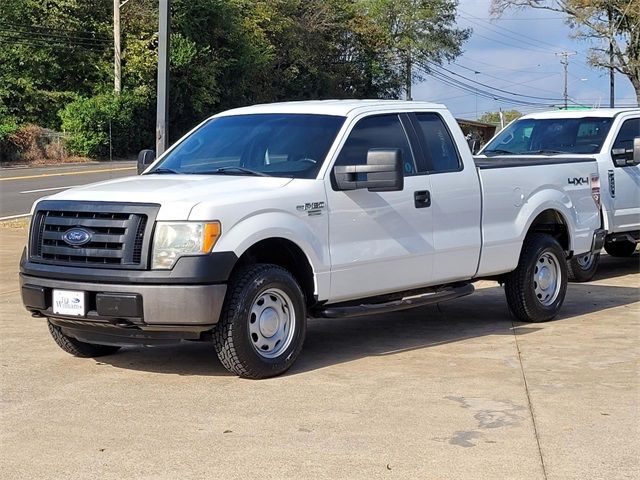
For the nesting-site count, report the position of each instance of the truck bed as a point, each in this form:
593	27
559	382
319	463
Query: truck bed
485	163
517	189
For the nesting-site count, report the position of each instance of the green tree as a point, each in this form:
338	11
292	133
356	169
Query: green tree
49	53
418	33
602	23
494	117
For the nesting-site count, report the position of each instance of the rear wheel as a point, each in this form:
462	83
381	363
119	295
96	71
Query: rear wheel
536	289
263	323
582	268
78	348
621	248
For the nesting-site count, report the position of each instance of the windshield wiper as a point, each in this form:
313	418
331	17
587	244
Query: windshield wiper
163	170
241	170
498	151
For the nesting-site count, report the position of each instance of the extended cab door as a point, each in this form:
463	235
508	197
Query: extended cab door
380	242
456	200
624	182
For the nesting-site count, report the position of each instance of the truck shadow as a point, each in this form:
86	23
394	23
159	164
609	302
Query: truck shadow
613	267
331	342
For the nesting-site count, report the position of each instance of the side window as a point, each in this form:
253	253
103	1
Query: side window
382	131
440	151
630	129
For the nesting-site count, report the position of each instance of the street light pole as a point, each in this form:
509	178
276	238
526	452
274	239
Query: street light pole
162	113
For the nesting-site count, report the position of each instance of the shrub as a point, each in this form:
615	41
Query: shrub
90	123
33	144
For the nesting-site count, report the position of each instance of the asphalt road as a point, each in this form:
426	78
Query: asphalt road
20	187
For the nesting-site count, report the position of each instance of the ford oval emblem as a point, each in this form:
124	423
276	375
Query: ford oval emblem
77	236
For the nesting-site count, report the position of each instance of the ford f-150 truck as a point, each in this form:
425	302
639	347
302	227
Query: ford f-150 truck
608	135
263	216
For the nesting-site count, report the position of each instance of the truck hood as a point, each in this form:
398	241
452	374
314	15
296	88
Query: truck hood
177	194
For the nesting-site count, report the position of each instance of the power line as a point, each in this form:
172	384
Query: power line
477	91
54	33
498	89
21	39
526	37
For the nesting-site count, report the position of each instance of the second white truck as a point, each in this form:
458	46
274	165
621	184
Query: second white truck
264	216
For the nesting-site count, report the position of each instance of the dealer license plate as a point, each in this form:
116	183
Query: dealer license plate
69	302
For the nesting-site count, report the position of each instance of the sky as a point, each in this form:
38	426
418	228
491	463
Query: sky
517	55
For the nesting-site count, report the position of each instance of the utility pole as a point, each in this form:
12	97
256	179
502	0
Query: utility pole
162	113
116	47
408	78
612	75
565	62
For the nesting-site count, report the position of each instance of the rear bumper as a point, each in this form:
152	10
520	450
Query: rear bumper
129	306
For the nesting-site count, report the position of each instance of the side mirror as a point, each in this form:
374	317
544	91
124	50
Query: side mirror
623	157
145	158
383	172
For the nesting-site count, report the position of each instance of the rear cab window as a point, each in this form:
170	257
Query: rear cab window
440	152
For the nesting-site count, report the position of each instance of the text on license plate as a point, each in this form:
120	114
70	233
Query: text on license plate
69	302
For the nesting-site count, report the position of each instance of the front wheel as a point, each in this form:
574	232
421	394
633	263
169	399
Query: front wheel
263	323
535	290
582	268
621	248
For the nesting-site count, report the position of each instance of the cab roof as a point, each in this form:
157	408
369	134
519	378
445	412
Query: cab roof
341	108
592	112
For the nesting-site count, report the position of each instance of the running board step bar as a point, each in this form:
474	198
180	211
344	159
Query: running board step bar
437	296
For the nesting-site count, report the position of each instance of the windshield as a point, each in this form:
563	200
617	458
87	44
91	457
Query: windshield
557	135
279	145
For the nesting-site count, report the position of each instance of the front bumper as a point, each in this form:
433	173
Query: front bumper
188	307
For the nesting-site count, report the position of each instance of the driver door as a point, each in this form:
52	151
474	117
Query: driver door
380	242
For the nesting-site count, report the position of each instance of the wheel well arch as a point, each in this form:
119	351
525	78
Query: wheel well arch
286	254
553	223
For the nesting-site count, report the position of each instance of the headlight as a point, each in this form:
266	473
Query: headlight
173	240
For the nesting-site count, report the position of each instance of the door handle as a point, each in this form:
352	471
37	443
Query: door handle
422	198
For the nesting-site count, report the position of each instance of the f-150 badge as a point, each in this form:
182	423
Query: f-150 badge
313	208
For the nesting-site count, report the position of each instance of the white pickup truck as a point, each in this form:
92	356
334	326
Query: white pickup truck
263	216
612	137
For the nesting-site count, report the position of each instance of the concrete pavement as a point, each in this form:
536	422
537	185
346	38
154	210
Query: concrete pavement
20	187
454	391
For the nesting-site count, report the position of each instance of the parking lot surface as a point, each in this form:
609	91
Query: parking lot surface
453	391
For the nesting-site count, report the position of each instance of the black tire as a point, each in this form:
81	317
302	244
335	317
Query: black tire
528	300
582	268
621	248
76	347
235	339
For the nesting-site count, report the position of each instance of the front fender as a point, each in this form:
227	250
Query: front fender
308	233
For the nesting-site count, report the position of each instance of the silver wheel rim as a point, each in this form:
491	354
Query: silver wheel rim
546	278
585	261
271	323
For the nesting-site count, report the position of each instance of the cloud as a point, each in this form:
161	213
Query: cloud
516	53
